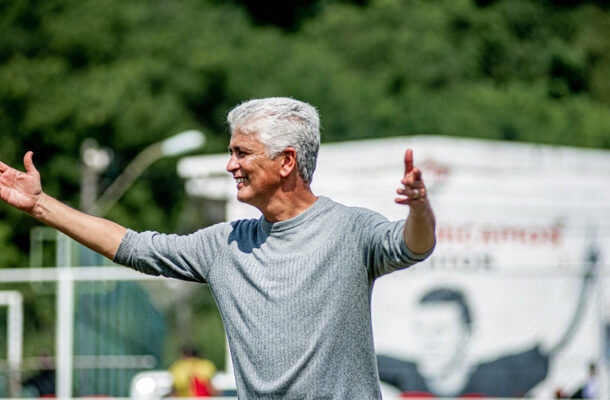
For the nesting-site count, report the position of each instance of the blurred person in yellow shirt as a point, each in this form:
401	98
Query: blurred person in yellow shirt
193	375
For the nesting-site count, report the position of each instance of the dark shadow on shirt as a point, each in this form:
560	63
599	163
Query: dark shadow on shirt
248	239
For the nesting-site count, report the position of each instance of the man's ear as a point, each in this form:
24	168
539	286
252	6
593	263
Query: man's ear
289	162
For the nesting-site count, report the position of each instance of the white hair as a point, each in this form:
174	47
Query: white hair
281	122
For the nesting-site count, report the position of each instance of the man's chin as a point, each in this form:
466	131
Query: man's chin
243	199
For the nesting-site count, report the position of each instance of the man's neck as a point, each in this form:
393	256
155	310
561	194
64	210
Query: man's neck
287	205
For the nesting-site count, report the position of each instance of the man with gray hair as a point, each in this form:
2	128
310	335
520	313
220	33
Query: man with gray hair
294	286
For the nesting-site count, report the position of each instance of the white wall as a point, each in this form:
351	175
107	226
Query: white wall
516	223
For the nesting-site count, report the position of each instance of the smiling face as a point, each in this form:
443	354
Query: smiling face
257	176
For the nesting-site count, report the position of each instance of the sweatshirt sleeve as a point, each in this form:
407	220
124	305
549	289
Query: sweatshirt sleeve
174	256
388	250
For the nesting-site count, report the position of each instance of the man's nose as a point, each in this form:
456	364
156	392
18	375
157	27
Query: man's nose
232	164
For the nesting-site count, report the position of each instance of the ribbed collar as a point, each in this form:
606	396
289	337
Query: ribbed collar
306	215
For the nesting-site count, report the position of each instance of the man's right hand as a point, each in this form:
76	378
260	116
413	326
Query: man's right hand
23	190
20	189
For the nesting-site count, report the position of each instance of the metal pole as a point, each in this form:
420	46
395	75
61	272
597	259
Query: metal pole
65	334
120	185
178	144
14	343
94	160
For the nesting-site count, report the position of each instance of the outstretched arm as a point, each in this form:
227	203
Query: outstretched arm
419	231
23	191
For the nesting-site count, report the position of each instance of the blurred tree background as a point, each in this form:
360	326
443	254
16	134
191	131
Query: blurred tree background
130	73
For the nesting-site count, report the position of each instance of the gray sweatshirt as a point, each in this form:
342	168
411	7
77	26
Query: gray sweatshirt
294	295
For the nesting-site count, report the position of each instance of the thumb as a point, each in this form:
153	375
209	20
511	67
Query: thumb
29	164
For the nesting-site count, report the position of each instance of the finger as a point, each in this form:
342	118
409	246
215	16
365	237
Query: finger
29	163
402	197
413	192
408	161
414	178
411	195
418	193
417	174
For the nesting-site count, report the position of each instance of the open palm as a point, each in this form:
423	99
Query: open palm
20	189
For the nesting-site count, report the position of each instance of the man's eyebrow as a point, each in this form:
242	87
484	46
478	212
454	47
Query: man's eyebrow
236	148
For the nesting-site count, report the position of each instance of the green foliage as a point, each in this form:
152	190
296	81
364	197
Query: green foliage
10	252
